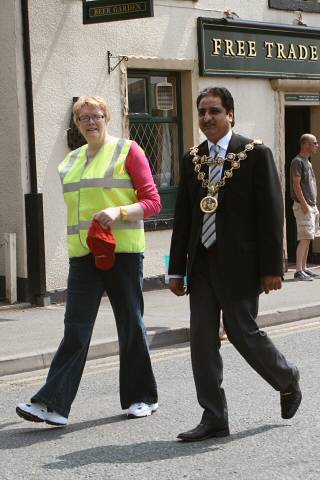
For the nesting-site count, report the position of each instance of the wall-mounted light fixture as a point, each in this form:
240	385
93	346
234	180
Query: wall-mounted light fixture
74	137
164	96
229	14
299	20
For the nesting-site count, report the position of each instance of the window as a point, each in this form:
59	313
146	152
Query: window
312	6
137	95
155	124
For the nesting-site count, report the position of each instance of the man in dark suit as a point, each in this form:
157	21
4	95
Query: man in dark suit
227	239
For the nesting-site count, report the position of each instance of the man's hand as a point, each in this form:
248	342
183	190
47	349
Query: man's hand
270	282
305	208
296	183
177	287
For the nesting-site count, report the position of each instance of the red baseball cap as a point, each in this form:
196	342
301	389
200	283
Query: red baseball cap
102	245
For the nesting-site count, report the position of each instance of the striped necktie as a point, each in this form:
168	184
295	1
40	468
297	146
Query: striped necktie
208	235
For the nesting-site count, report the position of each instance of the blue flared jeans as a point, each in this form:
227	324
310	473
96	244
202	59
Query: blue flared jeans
86	285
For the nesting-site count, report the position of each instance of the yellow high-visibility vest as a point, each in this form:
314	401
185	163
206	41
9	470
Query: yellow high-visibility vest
89	188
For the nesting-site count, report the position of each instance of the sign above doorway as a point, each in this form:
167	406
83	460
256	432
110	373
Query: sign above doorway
97	11
255	49
302	97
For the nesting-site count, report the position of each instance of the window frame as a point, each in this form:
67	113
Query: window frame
165	219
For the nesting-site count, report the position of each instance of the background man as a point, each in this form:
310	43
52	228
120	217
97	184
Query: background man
304	195
230	254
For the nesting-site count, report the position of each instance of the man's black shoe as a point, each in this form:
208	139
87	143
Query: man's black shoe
291	398
202	432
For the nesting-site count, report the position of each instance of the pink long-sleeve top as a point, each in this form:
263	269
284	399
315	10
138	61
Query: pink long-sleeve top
137	166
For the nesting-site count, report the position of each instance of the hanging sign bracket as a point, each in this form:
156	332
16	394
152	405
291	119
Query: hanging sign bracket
121	57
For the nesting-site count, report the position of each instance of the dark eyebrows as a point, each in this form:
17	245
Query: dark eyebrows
202	111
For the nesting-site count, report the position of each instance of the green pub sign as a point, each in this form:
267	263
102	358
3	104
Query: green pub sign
96	11
255	49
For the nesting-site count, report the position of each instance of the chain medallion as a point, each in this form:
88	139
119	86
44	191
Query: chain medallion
209	203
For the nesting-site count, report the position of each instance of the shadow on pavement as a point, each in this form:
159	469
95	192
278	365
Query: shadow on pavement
41	432
147	451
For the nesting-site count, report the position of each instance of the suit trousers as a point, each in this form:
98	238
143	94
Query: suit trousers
86	285
209	295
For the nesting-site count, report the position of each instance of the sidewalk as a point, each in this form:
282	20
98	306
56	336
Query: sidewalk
29	336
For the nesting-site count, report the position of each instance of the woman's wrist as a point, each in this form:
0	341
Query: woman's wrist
123	214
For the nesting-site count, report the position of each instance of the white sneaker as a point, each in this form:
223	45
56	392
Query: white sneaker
141	409
38	412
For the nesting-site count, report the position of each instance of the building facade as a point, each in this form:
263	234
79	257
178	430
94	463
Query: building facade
150	70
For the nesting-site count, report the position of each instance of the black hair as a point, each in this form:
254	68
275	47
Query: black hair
223	93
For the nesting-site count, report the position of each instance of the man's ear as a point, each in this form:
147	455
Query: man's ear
231	117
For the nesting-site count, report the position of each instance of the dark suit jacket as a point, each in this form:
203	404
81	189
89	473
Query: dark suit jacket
249	220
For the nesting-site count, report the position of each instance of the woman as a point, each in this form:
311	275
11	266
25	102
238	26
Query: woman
109	180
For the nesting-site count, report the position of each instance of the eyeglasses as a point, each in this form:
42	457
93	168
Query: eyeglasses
96	117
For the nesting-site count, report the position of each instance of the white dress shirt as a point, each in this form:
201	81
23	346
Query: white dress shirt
223	144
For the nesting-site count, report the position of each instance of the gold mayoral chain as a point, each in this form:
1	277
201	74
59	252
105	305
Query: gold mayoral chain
209	203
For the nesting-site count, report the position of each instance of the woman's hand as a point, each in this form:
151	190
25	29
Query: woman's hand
107	216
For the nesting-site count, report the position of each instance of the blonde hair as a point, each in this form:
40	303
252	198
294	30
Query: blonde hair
88	101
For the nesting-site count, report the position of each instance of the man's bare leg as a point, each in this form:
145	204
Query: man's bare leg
302	255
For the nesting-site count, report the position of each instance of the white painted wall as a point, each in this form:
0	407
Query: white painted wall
13	139
70	59
254	106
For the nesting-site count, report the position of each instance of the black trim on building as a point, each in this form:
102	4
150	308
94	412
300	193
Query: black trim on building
33	200
22	289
